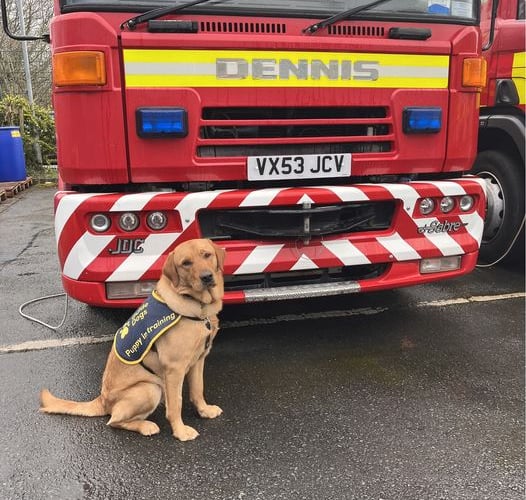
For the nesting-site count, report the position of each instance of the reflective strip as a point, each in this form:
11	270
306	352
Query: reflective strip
443	241
261	197
67	206
233	68
474	225
135	265
304	263
84	252
259	259
132	202
193	202
518	74
346	252
399	248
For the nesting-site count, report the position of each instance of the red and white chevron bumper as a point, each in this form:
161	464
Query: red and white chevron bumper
96	263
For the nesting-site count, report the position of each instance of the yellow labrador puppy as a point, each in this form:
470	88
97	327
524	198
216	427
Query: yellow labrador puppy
166	339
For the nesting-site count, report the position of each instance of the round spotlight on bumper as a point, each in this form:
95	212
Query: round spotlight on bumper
447	204
128	221
100	223
156	221
426	206
466	203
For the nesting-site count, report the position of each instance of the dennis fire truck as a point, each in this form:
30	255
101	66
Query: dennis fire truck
323	144
501	137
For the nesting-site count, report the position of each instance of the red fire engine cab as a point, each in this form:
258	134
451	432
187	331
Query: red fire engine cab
324	145
501	144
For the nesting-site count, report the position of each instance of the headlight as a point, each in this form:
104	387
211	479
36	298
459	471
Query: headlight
446	204
100	223
128	221
427	205
466	203
156	221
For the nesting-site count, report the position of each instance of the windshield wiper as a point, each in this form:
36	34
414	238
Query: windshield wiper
342	15
149	15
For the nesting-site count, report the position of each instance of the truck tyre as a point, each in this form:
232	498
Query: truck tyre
504	178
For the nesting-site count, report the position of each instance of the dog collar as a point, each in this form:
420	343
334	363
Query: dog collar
206	320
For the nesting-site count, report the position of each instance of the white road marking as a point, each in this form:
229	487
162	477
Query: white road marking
39	345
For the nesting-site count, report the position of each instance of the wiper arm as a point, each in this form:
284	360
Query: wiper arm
132	23
342	15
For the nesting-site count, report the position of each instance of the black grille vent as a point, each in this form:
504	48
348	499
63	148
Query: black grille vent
242	27
308	277
269	223
313	130
365	31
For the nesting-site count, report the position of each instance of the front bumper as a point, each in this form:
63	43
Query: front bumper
300	267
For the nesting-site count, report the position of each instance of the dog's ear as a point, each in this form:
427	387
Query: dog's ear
170	271
220	255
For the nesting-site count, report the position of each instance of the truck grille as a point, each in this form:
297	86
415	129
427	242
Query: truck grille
295	221
282	130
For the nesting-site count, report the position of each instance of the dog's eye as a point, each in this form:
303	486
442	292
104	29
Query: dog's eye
207	255
186	263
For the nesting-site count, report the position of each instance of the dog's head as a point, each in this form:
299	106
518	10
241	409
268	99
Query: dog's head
195	267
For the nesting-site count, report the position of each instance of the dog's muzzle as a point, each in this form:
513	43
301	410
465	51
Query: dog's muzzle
207	279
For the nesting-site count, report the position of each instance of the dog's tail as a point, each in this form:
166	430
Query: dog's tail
52	404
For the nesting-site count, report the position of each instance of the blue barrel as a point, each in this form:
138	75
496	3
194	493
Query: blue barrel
12	159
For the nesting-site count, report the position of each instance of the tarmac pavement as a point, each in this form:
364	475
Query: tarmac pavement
416	393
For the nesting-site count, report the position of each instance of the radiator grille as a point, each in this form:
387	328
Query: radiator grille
295	221
284	130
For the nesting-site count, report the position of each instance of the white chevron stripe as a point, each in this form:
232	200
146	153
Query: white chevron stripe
136	264
132	202
193	202
84	252
475	225
65	209
346	252
261	197
406	193
304	263
347	193
398	247
446	244
259	259
305	199
448	188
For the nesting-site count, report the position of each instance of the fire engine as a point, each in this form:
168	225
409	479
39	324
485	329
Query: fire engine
500	159
324	145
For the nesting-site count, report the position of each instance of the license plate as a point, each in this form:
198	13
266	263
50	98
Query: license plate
260	168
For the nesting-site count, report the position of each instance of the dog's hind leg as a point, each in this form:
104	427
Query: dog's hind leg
131	410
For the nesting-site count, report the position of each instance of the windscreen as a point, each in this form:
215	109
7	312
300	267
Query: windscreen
464	11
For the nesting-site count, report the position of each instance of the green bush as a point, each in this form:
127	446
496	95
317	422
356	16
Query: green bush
36	126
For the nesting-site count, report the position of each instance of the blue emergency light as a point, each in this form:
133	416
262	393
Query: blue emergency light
161	122
422	120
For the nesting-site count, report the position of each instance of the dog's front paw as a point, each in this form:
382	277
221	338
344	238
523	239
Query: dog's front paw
185	433
209	411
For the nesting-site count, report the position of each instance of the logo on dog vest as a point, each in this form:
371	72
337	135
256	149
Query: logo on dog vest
136	337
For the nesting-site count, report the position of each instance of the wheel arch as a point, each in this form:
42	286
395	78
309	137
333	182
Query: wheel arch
502	132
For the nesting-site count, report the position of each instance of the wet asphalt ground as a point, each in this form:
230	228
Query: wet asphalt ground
410	394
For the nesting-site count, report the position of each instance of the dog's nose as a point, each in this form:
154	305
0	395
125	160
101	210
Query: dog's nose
207	278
